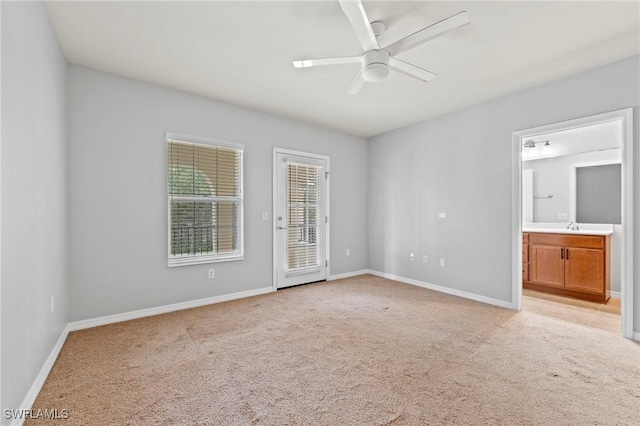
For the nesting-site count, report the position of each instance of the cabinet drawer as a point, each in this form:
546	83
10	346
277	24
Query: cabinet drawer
587	241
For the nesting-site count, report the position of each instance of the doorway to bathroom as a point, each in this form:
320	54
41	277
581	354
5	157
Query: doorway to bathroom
572	212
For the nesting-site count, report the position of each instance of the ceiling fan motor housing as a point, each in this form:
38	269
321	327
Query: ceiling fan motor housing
375	65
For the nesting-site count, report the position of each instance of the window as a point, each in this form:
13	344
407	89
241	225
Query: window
303	205
205	201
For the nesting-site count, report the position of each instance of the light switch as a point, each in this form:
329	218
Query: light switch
265	215
442	215
562	216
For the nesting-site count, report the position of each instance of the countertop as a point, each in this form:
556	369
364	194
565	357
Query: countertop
566	231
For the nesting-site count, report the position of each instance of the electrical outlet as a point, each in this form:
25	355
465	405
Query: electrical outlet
212	273
53	306
412	257
265	215
442	261
425	259
348	252
442	215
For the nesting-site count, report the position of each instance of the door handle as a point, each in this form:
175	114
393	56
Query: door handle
282	227
566	256
561	253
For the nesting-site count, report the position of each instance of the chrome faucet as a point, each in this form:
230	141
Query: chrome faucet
573	226
569	226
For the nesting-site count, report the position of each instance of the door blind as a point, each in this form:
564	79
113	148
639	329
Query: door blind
205	202
303	207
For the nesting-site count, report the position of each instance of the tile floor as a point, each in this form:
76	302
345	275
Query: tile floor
598	315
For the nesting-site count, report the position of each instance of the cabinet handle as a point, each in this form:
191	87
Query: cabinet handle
561	253
567	255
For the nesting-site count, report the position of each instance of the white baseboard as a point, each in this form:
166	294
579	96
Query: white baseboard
615	294
31	396
126	316
348	275
447	290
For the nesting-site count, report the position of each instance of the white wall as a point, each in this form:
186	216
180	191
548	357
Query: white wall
460	163
118	205
552	176
34	196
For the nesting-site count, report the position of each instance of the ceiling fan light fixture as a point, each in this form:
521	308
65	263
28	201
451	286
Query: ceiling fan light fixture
375	72
375	65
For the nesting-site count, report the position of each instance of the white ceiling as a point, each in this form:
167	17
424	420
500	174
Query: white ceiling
240	52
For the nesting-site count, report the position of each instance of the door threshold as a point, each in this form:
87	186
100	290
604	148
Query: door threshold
300	285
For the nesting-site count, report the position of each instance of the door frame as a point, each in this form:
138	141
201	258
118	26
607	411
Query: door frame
625	117
274	206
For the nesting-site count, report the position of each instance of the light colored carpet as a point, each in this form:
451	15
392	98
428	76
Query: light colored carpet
360	351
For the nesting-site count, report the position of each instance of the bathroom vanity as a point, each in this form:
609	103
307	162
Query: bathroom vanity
568	263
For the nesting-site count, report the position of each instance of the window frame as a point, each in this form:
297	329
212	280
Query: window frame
195	259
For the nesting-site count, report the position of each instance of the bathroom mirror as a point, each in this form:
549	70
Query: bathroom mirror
598	193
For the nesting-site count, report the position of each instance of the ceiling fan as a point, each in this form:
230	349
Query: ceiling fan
376	61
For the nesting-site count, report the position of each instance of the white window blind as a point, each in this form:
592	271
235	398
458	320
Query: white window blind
303	206
205	203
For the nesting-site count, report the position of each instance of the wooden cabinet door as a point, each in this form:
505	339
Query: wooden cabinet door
546	265
584	270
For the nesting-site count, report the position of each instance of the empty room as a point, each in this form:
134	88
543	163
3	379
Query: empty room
334	212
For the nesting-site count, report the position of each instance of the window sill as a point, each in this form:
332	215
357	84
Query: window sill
192	260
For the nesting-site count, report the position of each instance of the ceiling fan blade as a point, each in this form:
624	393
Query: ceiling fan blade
411	70
360	23
356	85
428	33
306	63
